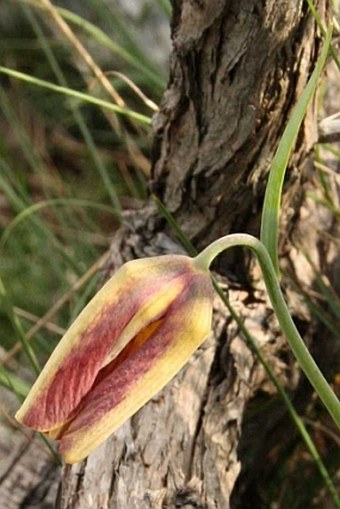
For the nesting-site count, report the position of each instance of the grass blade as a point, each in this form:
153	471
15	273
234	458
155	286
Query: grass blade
8	308
36	207
143	119
13	383
77	114
102	38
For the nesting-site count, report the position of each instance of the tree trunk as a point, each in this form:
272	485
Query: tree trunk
236	71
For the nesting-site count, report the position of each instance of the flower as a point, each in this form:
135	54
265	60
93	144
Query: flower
126	345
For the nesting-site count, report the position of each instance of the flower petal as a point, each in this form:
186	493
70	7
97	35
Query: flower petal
137	294
144	372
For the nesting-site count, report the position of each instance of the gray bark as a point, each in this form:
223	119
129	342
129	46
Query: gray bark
237	69
28	477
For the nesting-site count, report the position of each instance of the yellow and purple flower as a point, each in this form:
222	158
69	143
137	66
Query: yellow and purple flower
126	345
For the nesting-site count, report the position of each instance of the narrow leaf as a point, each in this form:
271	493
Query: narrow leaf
272	199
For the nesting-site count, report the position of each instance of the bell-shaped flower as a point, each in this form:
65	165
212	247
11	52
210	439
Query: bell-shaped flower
126	345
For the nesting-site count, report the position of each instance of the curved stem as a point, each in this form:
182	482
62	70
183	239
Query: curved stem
301	352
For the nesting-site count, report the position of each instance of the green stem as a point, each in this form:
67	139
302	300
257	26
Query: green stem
304	358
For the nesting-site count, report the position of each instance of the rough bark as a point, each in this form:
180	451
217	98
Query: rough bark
28	477
236	71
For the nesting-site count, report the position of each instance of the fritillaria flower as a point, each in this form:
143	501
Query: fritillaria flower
126	345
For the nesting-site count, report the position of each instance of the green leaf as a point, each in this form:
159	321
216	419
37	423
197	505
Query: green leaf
272	200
